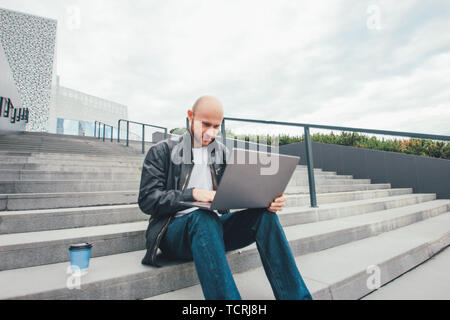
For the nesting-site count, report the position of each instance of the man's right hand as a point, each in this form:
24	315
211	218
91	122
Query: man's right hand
203	195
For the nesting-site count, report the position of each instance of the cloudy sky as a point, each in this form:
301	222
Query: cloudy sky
372	64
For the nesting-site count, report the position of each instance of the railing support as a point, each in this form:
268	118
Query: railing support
143	132
128	134
224	133
310	164
118	132
143	139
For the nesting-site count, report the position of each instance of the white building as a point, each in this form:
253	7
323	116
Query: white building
75	112
28	60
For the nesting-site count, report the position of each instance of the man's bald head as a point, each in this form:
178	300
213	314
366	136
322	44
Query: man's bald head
209	104
205	117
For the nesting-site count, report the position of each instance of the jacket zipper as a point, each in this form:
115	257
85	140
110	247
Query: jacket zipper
213	178
168	221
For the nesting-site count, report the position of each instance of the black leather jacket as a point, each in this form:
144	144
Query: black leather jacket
165	176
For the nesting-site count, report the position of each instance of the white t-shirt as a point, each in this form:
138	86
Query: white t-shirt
200	176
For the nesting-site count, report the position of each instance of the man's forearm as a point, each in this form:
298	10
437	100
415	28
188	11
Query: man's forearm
159	203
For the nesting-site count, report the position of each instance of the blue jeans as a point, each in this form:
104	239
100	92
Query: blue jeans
204	237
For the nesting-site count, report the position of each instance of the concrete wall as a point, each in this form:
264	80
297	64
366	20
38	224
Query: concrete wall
423	174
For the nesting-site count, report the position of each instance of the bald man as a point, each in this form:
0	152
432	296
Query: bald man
204	236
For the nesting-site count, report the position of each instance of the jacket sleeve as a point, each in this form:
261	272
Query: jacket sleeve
154	198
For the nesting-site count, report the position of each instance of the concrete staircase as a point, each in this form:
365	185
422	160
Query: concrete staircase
52	197
36	142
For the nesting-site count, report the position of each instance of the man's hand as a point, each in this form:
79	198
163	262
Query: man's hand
203	195
278	204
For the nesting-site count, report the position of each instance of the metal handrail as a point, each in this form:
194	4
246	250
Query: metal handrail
104	130
15	114
308	143
143	131
374	131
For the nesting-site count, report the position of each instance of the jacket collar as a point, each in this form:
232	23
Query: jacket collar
184	150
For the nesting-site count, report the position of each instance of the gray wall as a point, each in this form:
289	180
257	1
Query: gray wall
423	174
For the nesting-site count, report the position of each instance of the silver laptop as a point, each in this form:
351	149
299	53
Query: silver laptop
251	180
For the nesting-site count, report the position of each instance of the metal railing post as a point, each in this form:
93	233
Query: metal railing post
224	133
112	133
95	129
118	131
128	133
143	139
165	134
104	132
310	163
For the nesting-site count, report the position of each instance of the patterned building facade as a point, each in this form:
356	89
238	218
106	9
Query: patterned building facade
29	44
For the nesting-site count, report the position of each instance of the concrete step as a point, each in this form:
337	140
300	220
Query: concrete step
27	201
325	180
100	147
56	219
28	135
336	188
301	174
44	135
40	175
21	250
40	139
432	277
64	144
37	201
17	155
90	184
75	150
121	276
57	144
349	271
62	156
131	162
325	198
13	187
81	166
31	163
32	142
300	215
127	173
68	218
65	167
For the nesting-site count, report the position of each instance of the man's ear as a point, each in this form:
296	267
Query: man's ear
190	115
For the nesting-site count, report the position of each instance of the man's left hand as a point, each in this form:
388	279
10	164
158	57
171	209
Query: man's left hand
278	204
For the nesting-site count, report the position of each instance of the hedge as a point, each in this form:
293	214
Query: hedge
420	147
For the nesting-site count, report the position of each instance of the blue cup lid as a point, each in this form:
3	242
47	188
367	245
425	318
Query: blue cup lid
80	246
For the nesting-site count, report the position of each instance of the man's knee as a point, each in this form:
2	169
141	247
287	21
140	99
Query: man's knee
204	220
269	218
